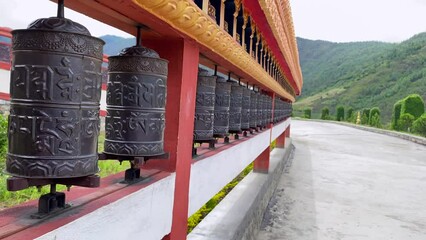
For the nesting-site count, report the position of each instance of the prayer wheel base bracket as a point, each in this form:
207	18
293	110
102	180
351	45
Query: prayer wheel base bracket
236	136
211	143
133	174
54	202
50	204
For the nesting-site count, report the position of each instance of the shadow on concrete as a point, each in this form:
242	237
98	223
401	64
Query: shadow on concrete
291	213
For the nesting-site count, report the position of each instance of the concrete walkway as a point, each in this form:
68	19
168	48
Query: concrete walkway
346	183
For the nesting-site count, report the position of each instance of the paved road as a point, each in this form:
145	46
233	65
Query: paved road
345	183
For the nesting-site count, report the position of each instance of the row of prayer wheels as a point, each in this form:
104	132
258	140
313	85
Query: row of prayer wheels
225	107
56	90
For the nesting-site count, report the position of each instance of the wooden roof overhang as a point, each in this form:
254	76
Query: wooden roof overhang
184	19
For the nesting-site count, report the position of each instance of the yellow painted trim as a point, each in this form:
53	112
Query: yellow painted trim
278	15
186	17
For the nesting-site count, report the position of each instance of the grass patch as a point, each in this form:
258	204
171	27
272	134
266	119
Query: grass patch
197	217
8	199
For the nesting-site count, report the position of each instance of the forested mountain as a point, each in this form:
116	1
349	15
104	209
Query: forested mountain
114	44
361	74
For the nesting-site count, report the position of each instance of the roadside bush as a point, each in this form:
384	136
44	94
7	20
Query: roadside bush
3	141
340	115
405	122
307	113
325	113
350	115
374	120
414	105
396	114
419	126
365	116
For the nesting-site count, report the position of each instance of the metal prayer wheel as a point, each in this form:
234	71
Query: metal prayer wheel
245	110
55	90
259	107
253	109
276	107
270	120
265	110
236	107
221	107
204	106
136	103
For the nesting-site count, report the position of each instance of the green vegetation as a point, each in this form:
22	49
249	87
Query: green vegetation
374	119
325	113
361	74
365	116
208	207
414	105
3	141
405	122
350	115
340	113
419	126
307	113
12	198
396	114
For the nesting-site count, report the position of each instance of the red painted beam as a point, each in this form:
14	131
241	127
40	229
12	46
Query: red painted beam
261	164
183	57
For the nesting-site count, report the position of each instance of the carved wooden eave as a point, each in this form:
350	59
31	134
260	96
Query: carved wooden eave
278	15
186	17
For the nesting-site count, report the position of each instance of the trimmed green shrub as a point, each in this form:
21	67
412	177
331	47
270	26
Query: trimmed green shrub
405	122
365	116
325	113
307	113
350	115
340	113
374	120
396	114
414	105
419	126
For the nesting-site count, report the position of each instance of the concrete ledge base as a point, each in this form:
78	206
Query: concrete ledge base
239	215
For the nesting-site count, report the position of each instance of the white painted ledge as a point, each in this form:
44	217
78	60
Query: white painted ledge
210	175
145	214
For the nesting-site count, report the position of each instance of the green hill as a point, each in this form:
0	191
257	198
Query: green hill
114	44
361	74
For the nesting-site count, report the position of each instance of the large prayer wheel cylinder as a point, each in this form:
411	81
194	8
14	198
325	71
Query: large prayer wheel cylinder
204	106
245	110
136	103
235	108
55	90
259	107
253	109
221	107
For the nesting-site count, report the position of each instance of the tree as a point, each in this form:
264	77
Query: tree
325	113
350	115
307	113
374	120
396	114
365	116
405	122
414	105
340	115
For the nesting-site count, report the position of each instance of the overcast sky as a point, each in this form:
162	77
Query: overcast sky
334	20
359	20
